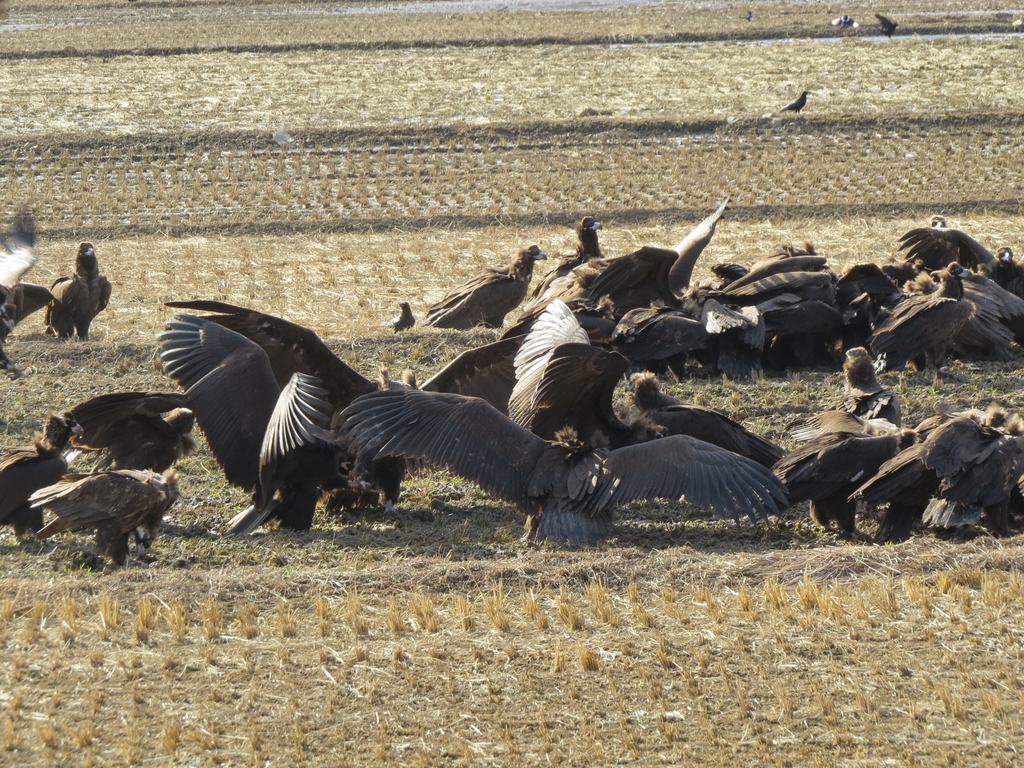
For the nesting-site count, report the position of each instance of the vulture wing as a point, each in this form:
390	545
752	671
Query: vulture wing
230	387
487	372
18	255
683	468
290	348
465	434
690	249
939	246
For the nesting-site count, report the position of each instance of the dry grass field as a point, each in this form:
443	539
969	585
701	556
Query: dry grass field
412	149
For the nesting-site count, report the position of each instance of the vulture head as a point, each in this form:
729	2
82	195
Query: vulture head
85	261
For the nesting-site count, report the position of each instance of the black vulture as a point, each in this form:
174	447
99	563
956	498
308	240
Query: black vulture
828	468
487	298
678	418
298	460
962	468
136	430
25	470
79	298
920	328
566	487
120	504
587	248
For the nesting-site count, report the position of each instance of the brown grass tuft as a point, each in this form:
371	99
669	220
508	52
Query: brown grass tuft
286	624
395	620
176	614
424	613
213	619
248	620
494	606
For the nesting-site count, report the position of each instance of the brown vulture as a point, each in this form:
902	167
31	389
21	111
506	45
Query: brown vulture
863	396
136	430
962	468
562	381
1006	272
678	418
23	471
403	321
920	328
120	504
298	460
235	363
79	298
17	256
650	275
938	245
587	249
828	468
570	486
487	298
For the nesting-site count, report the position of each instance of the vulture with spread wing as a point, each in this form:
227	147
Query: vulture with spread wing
79	298
567	488
938	246
121	505
17	256
487	298
136	430
25	470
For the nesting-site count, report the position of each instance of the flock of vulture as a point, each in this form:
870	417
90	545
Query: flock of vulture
530	417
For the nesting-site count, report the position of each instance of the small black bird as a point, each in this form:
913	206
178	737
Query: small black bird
402	322
797	105
888	25
750	15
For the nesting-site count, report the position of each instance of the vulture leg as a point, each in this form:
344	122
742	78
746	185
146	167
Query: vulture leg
26	521
110	541
896	524
837	507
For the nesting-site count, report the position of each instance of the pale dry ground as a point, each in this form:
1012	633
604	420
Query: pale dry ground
412	638
159	27
329	90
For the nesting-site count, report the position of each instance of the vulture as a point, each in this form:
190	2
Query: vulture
737	337
79	298
888	25
654	334
25	470
920	328
677	418
487	298
650	275
235	363
298	460
565	487
937	246
230	384
962	468
797	104
136	430
121	504
863	396
1006	272
403	321
17	256
828	468
587	249
564	382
